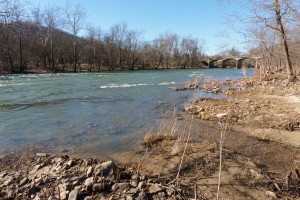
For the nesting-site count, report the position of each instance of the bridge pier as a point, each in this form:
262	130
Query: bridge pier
223	62
211	63
239	63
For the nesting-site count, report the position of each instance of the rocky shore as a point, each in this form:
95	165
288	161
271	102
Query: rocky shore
54	177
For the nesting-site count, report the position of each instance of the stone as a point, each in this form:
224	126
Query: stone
271	194
52	198
24	181
98	187
3	174
73	194
37	197
154	188
41	154
70	163
135	177
221	115
8	181
57	160
120	186
161	194
131	192
89	198
33	190
63	195
115	187
90	171
141	196
10	194
134	183
141	185
107	170
89	181
37	167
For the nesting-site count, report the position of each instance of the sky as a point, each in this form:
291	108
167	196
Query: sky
202	19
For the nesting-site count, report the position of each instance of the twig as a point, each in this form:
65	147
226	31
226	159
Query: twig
187	141
141	161
195	191
222	139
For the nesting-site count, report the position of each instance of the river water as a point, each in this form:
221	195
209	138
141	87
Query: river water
91	112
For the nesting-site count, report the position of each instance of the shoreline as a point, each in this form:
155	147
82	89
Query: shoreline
254	164
45	71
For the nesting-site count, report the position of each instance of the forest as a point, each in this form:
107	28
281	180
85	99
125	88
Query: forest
50	39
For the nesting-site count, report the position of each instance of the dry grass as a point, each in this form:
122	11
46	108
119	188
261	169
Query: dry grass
151	139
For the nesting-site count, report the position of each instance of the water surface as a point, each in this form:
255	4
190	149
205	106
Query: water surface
91	112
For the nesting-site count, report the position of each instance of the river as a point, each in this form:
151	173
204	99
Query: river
91	112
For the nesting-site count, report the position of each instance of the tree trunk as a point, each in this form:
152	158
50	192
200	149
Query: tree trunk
74	56
289	66
52	55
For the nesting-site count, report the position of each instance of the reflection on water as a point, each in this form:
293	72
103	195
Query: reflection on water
90	112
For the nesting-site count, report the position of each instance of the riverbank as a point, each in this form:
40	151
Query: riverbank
181	161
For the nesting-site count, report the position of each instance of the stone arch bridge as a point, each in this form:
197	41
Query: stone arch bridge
235	62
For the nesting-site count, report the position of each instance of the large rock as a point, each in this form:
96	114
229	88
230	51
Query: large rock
154	188
108	170
73	194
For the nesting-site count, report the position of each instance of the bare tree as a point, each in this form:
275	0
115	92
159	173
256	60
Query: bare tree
119	34
52	23
75	22
277	16
133	44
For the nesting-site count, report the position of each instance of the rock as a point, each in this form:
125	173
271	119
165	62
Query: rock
221	115
135	177
3	174
37	197
8	181
89	198
141	196
271	194
57	160
24	181
119	186
161	195
134	183
70	163
41	154
89	181
143	178
115	187
73	194
141	185
89	171
63	195
170	191
52	198
37	167
108	170
131	192
154	188
10	194
33	190
98	187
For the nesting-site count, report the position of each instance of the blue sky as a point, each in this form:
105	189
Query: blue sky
203	19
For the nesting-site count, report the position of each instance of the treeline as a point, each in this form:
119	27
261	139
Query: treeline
48	38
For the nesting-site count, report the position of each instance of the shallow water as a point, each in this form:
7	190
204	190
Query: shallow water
91	112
